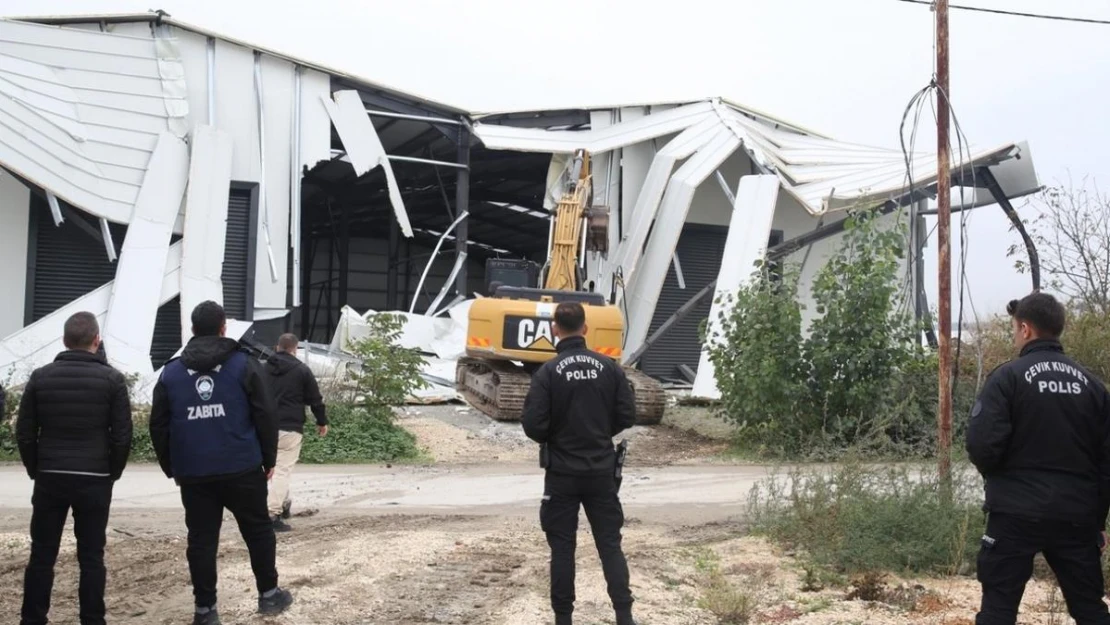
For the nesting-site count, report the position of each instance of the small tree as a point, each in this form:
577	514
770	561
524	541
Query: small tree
1072	235
859	343
389	373
758	359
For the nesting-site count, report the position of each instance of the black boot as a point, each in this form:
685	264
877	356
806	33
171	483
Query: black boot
280	525
563	619
624	616
276	603
287	509
211	617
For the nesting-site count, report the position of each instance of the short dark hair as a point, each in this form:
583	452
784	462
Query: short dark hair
208	318
1042	311
81	330
570	316
287	342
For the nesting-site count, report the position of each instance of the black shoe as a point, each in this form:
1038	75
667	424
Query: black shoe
280	525
287	510
208	618
563	619
624	617
276	603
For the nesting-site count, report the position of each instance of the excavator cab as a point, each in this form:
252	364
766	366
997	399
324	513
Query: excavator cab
510	333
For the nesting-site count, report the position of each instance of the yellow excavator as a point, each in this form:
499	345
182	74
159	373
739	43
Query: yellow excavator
509	334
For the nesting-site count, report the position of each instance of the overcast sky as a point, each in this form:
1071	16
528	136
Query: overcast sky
846	68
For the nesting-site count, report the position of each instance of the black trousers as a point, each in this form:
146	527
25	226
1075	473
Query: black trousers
245	497
55	494
559	520
1006	564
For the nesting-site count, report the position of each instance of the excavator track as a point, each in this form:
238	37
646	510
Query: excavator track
498	388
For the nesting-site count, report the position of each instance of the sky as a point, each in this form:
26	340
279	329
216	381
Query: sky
845	68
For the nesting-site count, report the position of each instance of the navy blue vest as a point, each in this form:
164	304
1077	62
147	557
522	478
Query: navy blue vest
211	432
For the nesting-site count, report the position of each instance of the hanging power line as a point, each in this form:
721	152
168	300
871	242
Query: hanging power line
1058	18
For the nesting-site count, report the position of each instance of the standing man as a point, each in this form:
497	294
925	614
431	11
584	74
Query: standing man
293	387
214	432
74	436
1040	435
577	403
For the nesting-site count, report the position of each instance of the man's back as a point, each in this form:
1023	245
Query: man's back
578	402
293	387
76	402
210	416
1038	434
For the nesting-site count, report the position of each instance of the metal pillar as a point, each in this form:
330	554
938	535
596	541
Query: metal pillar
345	253
462	204
1008	208
391	272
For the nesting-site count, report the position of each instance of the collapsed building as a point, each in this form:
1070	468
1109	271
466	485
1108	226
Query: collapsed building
149	165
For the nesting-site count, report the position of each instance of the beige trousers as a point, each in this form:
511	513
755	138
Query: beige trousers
289	450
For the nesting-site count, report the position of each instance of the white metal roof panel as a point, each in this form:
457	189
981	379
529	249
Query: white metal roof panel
499	137
81	112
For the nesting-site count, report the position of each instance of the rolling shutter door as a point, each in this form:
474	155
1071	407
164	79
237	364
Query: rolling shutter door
68	262
699	252
167	333
237	254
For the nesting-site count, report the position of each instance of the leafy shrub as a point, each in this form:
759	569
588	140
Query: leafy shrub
8	448
389	373
358	434
859	343
856	520
142	449
854	383
761	341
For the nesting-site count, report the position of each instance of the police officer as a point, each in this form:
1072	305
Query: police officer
577	403
1040	435
215	433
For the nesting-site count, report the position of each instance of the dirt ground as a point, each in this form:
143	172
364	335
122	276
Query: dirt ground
355	566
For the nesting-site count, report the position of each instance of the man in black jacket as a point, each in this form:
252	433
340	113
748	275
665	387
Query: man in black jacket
74	436
214	432
1040	435
293	387
577	403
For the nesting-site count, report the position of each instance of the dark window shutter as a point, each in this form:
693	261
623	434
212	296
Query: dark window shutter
237	253
69	262
699	252
167	333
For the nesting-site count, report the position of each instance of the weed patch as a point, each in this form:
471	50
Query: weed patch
855	520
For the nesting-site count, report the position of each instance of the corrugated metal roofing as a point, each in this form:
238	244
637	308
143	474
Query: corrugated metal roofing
77	125
158	17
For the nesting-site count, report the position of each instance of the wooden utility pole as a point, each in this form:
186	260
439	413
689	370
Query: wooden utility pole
944	222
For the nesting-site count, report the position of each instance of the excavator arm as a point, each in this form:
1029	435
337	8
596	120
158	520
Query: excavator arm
566	233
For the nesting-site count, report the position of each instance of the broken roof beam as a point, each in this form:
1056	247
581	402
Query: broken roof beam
364	147
496	137
647	281
205	222
129	324
753	212
630	250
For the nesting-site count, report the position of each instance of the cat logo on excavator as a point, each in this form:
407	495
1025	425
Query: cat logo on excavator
529	333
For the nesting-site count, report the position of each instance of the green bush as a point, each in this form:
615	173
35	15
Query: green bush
389	373
358	434
142	449
761	339
8	448
855	519
854	383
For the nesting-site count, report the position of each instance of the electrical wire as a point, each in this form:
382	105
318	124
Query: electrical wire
1042	16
